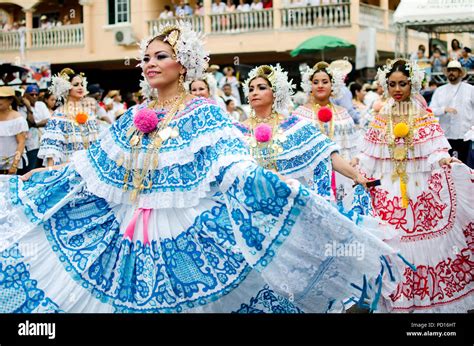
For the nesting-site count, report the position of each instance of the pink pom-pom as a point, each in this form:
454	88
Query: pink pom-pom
263	133
325	114
145	120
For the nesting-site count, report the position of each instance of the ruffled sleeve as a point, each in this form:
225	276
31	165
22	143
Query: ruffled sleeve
53	142
430	145
188	164
13	127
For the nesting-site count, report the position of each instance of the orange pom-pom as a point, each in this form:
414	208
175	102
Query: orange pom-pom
325	114
401	130
81	118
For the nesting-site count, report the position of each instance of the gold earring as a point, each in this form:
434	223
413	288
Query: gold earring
181	84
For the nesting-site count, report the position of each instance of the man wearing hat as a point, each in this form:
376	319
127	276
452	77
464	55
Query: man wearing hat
114	105
44	23
214	70
453	103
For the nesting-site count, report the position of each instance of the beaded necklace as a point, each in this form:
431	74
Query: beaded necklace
399	151
140	171
266	153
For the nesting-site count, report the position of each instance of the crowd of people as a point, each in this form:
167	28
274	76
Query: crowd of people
44	22
180	205
439	59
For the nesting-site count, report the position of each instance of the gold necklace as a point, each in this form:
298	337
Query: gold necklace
322	127
266	153
141	176
165	103
399	151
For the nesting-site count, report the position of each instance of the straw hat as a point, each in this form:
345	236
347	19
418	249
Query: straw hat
456	64
213	68
6	91
113	93
342	65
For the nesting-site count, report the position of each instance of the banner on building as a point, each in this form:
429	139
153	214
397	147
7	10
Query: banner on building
366	48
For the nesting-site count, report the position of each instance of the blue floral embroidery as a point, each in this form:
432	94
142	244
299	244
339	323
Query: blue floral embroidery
267	301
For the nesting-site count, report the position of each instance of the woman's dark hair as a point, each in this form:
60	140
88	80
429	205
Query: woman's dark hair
354	87
452	44
399	66
167	8
200	80
321	66
46	96
227	102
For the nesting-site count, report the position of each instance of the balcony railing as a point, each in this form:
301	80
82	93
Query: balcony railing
372	16
10	40
197	23
65	36
316	16
237	22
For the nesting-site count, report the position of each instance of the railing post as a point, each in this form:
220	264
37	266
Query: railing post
355	16
29	25
207	17
277	6
87	25
384	7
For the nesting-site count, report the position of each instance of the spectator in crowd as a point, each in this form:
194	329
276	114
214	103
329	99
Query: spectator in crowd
373	95
167	13
45	23
138	97
37	115
22	24
233	82
218	7
96	92
114	105
267	4
183	9
49	100
438	61
416	55
243	6
227	89
466	59
453	103
13	132
456	51
230	107
428	92
256	5
199	9
230	7
214	70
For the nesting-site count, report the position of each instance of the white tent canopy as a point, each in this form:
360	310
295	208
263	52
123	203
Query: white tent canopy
439	16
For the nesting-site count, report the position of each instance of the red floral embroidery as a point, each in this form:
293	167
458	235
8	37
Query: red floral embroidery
441	283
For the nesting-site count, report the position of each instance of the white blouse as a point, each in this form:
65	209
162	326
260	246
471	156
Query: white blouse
8	144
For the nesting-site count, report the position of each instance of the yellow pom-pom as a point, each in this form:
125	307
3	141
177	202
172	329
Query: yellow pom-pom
401	130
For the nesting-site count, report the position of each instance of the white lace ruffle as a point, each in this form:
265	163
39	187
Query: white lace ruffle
170	158
13	127
155	200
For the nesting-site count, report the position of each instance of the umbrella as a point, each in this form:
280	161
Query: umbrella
320	43
10	68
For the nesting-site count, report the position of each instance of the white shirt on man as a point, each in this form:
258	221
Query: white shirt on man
221	8
460	97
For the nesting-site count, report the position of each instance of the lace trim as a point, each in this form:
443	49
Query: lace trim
154	200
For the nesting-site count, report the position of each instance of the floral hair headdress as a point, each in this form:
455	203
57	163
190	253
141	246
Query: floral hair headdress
416	75
188	48
337	78
61	84
282	88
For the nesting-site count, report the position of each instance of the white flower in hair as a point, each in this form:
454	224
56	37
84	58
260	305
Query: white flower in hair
337	78
416	75
187	44
282	88
60	86
147	91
